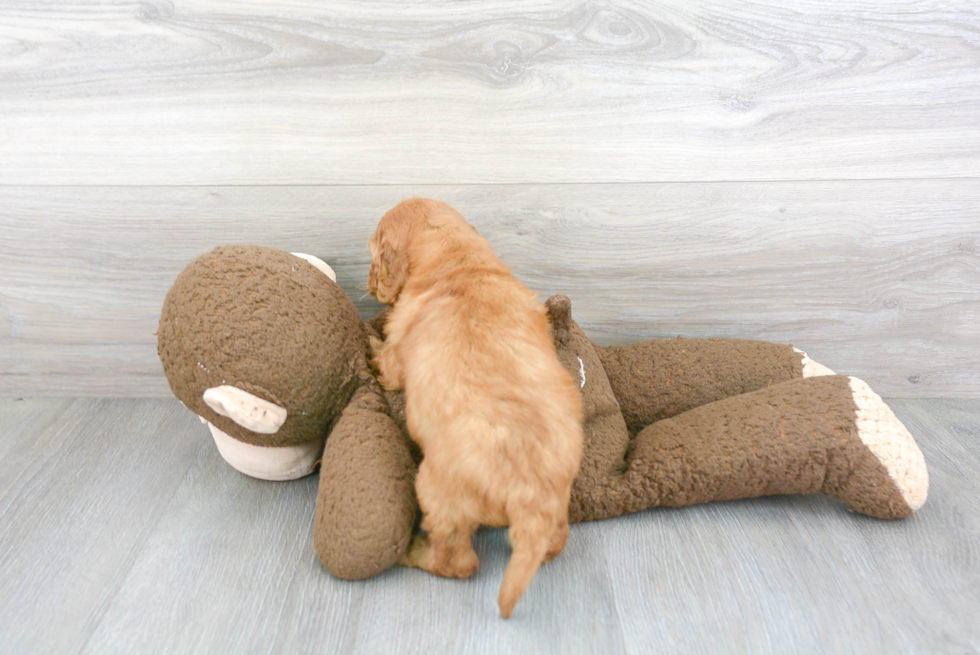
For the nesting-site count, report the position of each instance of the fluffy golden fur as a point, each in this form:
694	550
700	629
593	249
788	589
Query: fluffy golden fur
497	417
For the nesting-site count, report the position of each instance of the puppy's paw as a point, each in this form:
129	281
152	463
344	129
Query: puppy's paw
384	365
460	563
418	551
388	382
374	357
463	564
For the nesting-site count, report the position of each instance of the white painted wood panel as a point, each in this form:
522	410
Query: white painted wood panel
879	279
306	92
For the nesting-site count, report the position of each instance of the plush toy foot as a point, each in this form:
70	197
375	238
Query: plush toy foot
863	488
267	463
812	369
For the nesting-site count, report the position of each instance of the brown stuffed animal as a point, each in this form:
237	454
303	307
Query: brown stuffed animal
272	354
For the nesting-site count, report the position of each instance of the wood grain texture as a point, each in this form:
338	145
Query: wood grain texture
305	92
879	279
82	484
122	530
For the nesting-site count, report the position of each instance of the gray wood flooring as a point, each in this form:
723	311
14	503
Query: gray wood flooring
122	531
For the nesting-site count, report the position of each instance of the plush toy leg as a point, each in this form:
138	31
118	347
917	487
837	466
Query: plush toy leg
654	380
366	506
821	434
267	463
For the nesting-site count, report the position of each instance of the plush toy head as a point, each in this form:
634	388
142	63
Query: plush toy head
264	346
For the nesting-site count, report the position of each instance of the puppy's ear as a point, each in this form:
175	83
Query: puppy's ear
390	247
389	270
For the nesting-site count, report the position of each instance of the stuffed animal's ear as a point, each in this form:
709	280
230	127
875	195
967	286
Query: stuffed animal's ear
560	316
318	264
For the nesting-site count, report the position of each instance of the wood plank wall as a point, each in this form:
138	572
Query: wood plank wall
805	172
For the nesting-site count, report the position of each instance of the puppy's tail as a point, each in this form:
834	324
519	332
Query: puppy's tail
530	536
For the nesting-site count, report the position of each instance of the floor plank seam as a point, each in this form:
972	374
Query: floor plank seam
138	549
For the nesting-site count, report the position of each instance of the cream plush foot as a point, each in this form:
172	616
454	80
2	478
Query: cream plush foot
812	369
891	443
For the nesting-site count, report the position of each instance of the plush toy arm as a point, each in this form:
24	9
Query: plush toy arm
654	380
366	505
821	434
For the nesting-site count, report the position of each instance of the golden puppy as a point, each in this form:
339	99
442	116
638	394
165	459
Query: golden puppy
497	417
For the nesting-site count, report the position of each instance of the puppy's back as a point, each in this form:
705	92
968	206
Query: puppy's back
506	428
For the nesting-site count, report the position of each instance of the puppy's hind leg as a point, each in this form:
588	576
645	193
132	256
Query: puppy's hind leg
558	540
447	551
560	536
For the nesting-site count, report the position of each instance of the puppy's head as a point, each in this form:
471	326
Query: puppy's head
390	247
